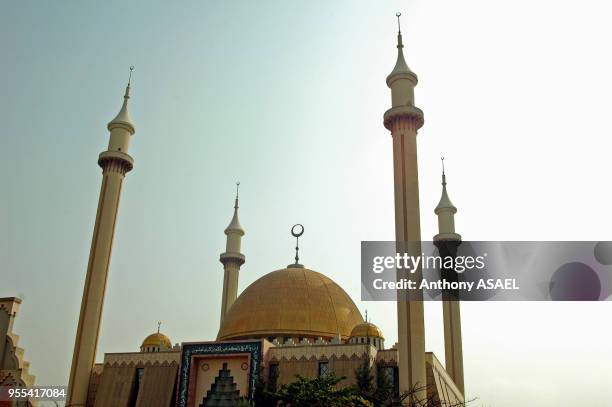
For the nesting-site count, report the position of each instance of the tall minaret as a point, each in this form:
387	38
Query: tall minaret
403	120
115	163
447	242
232	259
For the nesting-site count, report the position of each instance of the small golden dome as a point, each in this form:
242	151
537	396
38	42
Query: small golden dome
367	329
157	340
294	302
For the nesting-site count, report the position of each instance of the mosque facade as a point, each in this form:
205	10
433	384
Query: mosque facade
309	327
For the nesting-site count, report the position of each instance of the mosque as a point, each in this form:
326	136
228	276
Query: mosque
310	326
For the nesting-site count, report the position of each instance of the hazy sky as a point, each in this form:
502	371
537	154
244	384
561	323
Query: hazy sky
288	97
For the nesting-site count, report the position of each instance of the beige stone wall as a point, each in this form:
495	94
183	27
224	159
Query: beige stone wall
157	385
320	351
142	358
343	360
387	356
288	369
116	388
113	383
345	366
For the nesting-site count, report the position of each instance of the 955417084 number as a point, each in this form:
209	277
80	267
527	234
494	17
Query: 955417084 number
13	393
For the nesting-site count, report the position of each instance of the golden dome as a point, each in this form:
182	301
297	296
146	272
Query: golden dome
157	339
295	302
367	329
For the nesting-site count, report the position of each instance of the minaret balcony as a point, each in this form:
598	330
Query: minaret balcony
447	237
232	257
125	160
407	111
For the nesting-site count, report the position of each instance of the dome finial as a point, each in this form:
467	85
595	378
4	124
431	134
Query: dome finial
399	28
158	326
297	230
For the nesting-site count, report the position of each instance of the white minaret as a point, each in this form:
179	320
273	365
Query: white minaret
447	242
404	119
115	163
232	259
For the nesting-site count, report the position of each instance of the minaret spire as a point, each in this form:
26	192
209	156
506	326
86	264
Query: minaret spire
232	259
446	213
123	117
130	77
401	69
127	88
400	44
115	163
237	190
443	173
234	227
447	241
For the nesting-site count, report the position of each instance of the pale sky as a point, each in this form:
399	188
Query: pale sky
288	98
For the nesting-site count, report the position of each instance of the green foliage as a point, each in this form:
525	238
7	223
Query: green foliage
244	403
383	394
378	390
364	379
369	391
265	392
319	392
